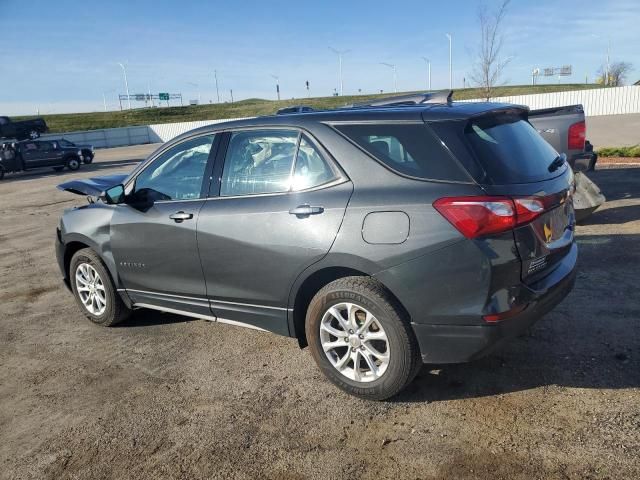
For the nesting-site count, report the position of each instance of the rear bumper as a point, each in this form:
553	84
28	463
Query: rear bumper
463	343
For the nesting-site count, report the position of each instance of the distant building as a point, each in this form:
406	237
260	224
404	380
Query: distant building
637	83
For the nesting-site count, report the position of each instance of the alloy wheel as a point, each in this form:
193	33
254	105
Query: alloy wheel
90	289
354	342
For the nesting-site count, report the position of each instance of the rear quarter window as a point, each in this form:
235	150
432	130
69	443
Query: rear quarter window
409	149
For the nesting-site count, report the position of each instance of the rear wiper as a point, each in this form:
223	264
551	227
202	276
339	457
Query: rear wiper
557	162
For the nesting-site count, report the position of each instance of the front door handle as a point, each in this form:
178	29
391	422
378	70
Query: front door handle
180	217
306	210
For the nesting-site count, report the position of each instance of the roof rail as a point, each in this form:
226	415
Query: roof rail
294	109
444	96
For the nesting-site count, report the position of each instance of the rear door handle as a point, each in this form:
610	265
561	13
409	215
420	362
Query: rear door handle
306	210
180	217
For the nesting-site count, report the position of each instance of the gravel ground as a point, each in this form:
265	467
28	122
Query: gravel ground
166	397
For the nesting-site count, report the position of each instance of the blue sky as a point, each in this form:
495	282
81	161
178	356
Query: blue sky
60	56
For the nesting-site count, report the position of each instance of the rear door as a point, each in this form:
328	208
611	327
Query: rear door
276	210
514	160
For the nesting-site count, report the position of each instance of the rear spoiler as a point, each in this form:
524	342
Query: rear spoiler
443	97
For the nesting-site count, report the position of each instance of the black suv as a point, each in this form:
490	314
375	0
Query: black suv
32	154
417	230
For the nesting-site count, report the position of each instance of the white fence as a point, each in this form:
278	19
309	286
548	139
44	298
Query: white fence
601	101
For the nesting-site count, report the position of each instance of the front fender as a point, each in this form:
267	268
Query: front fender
91	225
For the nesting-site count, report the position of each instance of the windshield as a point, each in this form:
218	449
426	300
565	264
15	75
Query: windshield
511	150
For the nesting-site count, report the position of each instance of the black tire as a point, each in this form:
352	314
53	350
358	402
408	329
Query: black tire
115	310
58	169
73	163
88	159
404	354
33	134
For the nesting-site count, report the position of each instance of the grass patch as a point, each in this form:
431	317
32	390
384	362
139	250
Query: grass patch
69	122
633	151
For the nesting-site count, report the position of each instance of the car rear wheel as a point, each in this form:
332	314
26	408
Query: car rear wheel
73	163
94	290
361	339
33	134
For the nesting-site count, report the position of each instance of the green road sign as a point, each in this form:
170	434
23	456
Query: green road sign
163	96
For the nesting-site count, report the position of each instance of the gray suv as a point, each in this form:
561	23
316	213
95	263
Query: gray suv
382	236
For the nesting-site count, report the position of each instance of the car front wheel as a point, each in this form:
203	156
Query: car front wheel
361	339
94	290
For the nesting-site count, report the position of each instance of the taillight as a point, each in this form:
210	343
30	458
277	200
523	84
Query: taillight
480	216
577	135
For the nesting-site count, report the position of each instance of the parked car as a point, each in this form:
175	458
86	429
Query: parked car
88	152
565	129
32	154
22	130
381	237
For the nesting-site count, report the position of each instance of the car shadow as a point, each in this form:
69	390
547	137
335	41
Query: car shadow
613	216
617	183
146	317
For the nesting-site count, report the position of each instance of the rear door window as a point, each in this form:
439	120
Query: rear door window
510	150
409	149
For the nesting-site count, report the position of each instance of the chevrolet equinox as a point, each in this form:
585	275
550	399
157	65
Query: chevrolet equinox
383	236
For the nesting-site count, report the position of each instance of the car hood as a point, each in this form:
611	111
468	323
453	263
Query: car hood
92	186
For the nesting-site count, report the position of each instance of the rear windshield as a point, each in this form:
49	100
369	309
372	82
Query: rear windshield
510	149
409	149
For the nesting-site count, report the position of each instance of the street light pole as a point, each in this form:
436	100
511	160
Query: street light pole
277	79
450	63
428	62
126	84
340	53
395	77
215	76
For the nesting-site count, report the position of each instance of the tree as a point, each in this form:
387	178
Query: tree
618	72
489	64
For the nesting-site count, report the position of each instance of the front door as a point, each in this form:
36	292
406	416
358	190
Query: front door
153	234
280	205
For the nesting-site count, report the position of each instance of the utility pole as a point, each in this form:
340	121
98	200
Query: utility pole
277	79
395	78
340	53
126	84
608	56
104	101
450	63
428	62
215	76
231	92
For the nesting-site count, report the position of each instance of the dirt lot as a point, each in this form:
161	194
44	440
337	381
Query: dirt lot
166	397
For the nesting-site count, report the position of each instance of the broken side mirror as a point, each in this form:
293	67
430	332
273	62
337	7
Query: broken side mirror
114	195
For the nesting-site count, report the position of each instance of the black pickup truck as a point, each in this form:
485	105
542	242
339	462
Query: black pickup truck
22	130
38	153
